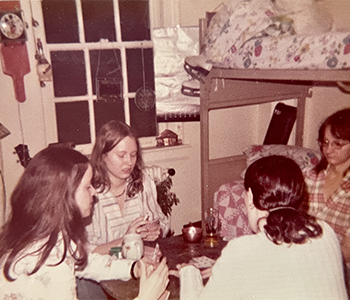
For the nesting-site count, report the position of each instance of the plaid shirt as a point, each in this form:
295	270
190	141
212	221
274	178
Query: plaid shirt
336	209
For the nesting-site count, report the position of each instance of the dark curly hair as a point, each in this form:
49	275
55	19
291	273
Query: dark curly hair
278	186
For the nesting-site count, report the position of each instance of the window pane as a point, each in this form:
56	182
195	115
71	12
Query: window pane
105	64
60	21
105	111
73	122
144	122
134	20
69	76
136	70
98	20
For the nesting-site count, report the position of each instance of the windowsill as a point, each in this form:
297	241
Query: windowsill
167	153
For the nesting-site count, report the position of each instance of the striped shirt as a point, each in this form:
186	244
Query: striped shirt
336	209
108	222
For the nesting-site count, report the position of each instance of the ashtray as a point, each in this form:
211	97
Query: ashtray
192	234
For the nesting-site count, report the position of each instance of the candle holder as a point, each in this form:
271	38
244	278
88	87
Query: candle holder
192	234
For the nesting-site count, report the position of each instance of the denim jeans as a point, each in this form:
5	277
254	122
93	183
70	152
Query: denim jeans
89	290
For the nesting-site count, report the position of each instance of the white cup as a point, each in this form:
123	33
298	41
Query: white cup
132	247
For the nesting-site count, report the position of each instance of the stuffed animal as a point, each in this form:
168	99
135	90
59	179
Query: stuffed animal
308	16
280	25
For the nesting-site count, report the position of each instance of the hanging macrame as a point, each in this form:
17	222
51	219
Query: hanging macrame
109	89
145	97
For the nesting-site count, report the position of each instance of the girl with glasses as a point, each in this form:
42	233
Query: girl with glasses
329	183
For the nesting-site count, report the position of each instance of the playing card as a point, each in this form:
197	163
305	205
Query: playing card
202	262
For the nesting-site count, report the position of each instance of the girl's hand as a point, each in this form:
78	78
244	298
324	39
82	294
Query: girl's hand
150	231
176	272
206	273
153	282
136	225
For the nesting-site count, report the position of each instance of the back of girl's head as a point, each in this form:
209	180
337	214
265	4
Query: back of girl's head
109	135
43	201
275	181
339	124
278	186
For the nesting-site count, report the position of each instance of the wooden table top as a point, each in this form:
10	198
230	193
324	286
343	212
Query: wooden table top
176	250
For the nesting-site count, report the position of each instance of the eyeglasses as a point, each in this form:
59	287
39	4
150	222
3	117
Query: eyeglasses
335	144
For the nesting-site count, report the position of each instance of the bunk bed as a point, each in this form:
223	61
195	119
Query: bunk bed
226	86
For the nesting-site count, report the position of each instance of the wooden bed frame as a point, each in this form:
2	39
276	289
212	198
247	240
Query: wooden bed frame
251	87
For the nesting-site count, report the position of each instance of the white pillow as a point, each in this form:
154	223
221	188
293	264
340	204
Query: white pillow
309	17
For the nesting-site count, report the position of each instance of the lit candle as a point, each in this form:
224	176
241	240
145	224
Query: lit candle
192	230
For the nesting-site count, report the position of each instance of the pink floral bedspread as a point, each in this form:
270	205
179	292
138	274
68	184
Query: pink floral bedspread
248	36
326	51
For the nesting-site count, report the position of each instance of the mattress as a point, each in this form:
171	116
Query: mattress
252	35
326	51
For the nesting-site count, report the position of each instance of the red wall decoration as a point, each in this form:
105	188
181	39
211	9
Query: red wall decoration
13	53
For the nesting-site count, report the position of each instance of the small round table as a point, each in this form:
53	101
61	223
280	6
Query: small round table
177	251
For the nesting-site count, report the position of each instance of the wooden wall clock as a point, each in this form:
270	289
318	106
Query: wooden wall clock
13	48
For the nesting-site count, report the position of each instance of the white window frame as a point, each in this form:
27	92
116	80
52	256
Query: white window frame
48	97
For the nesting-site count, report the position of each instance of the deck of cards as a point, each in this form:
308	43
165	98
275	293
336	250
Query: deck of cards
202	262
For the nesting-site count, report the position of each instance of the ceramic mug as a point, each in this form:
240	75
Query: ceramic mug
132	247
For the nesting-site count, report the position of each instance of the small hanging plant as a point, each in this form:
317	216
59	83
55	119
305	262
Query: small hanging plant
166	199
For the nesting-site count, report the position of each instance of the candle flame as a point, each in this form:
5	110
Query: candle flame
192	230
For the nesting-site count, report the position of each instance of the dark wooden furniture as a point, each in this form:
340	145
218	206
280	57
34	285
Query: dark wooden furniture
176	250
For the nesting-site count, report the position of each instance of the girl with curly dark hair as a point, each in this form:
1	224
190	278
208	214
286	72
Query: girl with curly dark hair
290	256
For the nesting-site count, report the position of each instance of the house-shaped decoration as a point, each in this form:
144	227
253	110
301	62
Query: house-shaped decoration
167	138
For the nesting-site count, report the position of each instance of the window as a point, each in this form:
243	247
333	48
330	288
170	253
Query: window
102	60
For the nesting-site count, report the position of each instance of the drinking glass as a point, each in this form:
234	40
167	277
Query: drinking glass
212	226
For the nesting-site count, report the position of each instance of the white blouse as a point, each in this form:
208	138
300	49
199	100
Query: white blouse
108	222
253	267
52	281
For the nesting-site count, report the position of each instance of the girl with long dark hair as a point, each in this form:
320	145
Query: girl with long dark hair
42	246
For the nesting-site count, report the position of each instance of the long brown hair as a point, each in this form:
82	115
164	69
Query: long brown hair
339	124
44	208
108	137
